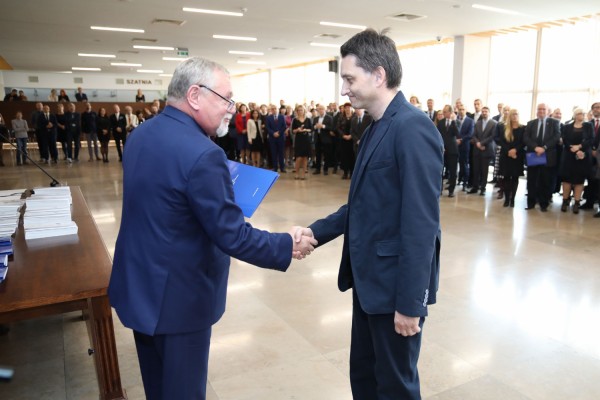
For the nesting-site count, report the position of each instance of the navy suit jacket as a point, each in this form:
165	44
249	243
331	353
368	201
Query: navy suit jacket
180	225
449	136
43	123
276	125
391	223
465	134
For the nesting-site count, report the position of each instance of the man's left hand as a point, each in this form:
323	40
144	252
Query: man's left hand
406	326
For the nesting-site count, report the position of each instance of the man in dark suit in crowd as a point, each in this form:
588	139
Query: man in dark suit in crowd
35	116
466	126
390	224
483	150
541	136
431	113
80	96
118	125
592	191
276	128
46	129
180	225
324	132
449	132
500	111
359	122
73	130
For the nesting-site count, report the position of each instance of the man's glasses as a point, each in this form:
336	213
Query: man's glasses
230	103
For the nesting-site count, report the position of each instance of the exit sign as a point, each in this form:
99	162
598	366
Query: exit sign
183	51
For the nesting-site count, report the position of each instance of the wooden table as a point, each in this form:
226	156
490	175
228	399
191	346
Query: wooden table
63	274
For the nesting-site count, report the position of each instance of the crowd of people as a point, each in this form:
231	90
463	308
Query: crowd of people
62	96
557	156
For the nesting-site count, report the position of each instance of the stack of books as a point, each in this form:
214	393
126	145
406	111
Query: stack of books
10	211
48	213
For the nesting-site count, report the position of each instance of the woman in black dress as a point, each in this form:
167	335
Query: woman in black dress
61	130
255	140
139	97
346	144
301	128
511	156
576	162
103	125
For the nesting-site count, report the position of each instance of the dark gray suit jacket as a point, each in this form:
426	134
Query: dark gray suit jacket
551	137
485	137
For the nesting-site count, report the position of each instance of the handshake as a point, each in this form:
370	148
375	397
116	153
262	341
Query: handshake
304	242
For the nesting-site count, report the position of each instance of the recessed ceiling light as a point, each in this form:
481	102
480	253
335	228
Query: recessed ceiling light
226	37
252	62
167	75
96	55
123	64
64	72
217	12
108	28
85	69
339	25
175	58
151	71
248	53
324	44
495	9
154	47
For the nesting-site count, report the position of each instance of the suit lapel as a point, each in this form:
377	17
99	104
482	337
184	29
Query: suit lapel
365	154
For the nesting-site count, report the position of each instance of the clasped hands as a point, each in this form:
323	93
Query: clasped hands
304	242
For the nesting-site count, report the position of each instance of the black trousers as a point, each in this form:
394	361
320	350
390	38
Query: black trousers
174	366
118	138
324	152
481	165
463	160
383	364
42	140
539	186
451	161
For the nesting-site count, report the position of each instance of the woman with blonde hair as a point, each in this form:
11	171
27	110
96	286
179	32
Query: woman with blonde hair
576	162
511	160
301	128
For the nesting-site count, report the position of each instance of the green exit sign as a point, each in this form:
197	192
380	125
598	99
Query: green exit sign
183	52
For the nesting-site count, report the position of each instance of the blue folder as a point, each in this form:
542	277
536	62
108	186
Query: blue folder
533	160
250	185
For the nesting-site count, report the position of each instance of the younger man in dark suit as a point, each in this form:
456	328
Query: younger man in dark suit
391	225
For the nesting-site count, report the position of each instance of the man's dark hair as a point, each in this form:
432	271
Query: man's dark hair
372	50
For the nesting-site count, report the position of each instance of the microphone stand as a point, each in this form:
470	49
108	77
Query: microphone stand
54	182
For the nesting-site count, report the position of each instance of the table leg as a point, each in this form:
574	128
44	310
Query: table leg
102	340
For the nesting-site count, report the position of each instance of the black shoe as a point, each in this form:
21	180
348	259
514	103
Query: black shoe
576	207
530	207
451	194
493	180
565	205
506	203
587	206
482	193
317	173
512	204
325	173
472	191
597	215
335	171
544	209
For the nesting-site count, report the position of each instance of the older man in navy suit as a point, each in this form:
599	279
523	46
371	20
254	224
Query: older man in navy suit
276	128
391	224
180	225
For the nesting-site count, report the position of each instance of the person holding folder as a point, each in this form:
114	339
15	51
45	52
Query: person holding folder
179	228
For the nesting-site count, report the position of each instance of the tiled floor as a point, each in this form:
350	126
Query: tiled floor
518	314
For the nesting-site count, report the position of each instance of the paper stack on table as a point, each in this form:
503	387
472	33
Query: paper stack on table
10	209
48	213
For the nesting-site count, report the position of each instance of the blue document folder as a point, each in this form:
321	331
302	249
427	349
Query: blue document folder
250	185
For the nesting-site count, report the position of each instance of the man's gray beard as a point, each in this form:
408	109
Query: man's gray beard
223	129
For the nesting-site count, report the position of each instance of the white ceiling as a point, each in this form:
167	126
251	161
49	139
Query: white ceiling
46	35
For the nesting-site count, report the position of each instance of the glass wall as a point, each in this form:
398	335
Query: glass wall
302	84
426	79
569	62
512	69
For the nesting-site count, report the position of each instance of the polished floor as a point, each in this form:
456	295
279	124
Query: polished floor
518	313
